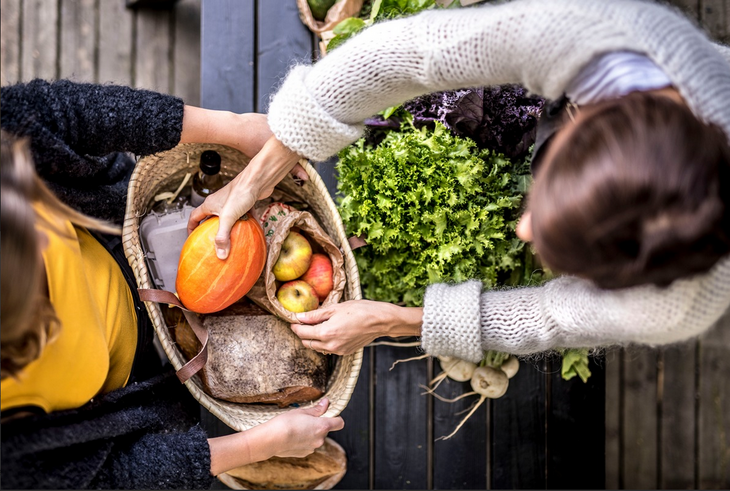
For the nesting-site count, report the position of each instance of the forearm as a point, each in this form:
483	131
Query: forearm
246	132
404	321
93	119
246	447
569	312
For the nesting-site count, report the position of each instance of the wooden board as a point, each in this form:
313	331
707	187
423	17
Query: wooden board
714	18
575	428
186	51
613	361
714	411
518	452
282	40
459	462
401	444
78	40
357	436
153	53
10	41
39	45
639	432
228	55
116	42
677	400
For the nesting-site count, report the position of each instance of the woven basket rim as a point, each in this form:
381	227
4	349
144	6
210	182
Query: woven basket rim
158	166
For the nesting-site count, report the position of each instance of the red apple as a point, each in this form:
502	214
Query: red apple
294	257
319	275
297	296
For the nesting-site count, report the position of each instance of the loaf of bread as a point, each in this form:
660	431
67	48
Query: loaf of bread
321	470
255	358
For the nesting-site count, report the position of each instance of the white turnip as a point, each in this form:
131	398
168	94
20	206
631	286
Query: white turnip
510	366
489	383
456	369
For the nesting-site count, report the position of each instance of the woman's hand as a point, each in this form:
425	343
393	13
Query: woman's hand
255	182
346	327
296	433
301	431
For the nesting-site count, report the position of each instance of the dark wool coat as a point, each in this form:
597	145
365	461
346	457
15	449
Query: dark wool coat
144	435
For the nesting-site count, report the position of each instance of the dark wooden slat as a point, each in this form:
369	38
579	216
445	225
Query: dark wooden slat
282	40
355	436
714	410
78	40
10	41
328	171
400	421
186	52
227	55
690	8
39	46
678	394
713	18
116	25
152	67
575	429
150	4
639	433
518	431
613	417
460	462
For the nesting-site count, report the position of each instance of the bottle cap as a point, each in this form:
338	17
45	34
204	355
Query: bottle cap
210	162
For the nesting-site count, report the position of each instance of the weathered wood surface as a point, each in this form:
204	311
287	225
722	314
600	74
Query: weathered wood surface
667	411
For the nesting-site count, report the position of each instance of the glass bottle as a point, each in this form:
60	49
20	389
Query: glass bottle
208	179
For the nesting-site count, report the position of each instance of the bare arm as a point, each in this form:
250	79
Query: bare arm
296	433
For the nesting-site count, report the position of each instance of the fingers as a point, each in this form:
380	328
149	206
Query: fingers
196	216
299	172
315	316
318	409
223	236
335	424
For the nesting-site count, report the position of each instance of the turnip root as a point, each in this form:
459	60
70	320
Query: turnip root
408	359
489	383
510	366
456	369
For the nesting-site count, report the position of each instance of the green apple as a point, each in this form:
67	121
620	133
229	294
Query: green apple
294	257
297	296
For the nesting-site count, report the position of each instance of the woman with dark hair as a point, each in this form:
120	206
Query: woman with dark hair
631	197
86	401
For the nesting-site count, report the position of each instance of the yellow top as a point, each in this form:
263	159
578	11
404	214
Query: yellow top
94	351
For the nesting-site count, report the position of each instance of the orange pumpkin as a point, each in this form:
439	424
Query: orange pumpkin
207	284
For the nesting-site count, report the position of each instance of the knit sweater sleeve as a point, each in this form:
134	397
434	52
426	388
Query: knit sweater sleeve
462	321
541	44
92	119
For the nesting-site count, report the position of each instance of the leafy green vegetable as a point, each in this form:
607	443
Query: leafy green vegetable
494	358
575	362
434	208
379	10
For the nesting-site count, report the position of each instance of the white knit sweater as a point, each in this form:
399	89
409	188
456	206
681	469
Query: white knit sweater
541	44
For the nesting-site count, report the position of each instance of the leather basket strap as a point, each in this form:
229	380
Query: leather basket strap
198	361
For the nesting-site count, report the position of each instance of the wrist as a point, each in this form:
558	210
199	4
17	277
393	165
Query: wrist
405	321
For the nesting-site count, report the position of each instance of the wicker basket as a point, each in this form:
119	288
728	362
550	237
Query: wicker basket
163	172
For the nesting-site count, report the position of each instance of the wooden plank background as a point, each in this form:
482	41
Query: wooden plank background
647	419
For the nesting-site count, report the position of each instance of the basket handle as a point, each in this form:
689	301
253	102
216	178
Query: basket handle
198	361
357	241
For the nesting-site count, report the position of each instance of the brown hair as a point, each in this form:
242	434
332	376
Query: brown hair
636	191
27	318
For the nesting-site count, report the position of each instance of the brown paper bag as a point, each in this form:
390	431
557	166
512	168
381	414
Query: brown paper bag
277	219
340	11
